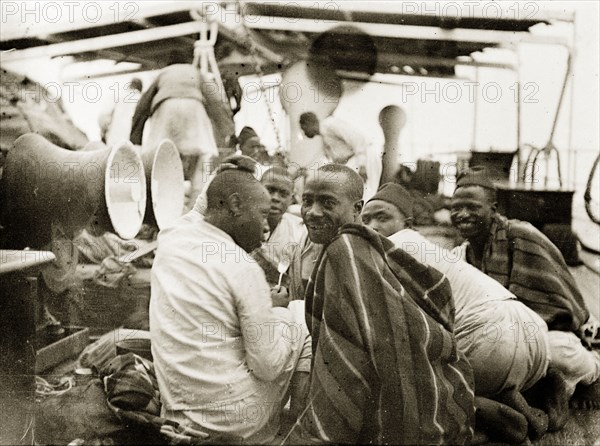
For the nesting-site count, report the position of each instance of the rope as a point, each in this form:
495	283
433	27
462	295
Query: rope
259	72
44	388
587	196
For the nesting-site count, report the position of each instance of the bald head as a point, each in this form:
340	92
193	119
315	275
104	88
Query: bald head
351	182
275	172
227	182
239	205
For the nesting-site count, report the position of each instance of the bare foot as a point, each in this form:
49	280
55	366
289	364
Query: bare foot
552	396
587	397
498	422
536	418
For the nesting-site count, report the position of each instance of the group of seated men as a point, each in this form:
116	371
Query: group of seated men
380	336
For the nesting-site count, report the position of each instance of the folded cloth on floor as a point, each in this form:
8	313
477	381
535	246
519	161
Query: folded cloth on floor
98	355
132	395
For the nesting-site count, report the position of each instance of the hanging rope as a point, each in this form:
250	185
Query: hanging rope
259	73
204	49
587	196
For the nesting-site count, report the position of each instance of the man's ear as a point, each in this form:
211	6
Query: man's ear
234	204
494	206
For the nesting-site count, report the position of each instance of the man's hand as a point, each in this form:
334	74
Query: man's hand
280	296
590	333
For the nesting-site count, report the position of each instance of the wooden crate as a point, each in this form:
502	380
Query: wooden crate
50	354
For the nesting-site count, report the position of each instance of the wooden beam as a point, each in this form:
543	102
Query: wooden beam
115	55
109	73
406	31
417	61
103	42
389	79
78	16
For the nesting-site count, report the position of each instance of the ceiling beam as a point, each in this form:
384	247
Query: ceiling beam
417	61
103	42
117	56
390	79
406	31
78	16
109	73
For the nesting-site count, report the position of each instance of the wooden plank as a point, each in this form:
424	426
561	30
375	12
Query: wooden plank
104	42
406	31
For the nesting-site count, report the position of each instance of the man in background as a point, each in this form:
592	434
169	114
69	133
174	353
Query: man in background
525	262
345	144
285	229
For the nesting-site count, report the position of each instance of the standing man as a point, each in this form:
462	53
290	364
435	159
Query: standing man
344	144
224	352
385	365
525	262
185	106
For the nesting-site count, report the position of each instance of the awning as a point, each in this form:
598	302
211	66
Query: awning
428	40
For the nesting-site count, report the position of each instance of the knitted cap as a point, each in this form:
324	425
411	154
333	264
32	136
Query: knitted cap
475	176
397	195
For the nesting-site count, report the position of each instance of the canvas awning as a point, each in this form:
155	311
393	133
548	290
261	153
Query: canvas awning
420	42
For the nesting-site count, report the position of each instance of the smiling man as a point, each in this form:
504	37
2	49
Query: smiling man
385	364
224	354
525	262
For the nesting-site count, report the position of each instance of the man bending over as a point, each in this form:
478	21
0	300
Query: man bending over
525	262
224	355
505	341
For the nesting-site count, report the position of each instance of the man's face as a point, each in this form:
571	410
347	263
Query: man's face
310	127
251	225
471	212
281	189
383	217
326	206
252	147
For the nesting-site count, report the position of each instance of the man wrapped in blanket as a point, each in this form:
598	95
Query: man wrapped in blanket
385	366
505	342
526	263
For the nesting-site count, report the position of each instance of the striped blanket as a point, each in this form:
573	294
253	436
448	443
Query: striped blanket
525	262
385	368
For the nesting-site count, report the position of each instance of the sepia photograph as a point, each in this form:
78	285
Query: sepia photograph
300	222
